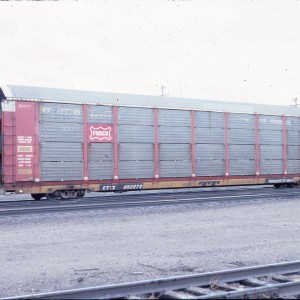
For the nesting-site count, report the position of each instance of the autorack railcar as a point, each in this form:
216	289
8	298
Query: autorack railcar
61	143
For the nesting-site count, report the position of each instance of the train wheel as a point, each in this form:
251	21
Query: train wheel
52	196
37	196
80	194
68	194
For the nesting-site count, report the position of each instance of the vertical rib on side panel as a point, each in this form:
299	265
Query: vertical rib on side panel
136	142
175	143
61	138
210	143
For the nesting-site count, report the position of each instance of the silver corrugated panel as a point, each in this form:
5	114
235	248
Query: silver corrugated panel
293	152
174	151
61	132
241	152
209	119
293	137
210	151
54	112
242	167
209	135
271	151
271	166
101	170
241	121
169	168
293	123
293	166
135	134
212	167
130	151
61	171
101	152
174	118
270	122
51	151
93	97
174	135
135	116
241	136
270	137
100	114
136	169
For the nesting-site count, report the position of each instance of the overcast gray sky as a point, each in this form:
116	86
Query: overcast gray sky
224	50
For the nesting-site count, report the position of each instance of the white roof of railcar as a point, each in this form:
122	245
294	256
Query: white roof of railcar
29	93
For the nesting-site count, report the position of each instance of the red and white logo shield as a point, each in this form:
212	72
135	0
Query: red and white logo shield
100	133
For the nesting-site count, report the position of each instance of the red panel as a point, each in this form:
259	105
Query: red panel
115	141
284	146
226	145
25	141
193	143
156	150
257	164
37	165
85	142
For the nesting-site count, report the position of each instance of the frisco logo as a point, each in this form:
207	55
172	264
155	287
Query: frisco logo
100	133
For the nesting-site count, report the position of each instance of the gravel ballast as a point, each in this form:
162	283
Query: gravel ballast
43	253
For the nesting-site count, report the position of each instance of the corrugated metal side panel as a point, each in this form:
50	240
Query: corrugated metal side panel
242	167
101	152
241	136
293	123
293	166
245	152
271	151
209	135
270	122
101	170
136	169
135	116
210	151
51	151
293	152
61	171
175	152
169	168
135	134
54	112
174	118
100	114
58	132
213	167
270	137
174	135
271	166
209	119
293	137
130	151
245	121
101	163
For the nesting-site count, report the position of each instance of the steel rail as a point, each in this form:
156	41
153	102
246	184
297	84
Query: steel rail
109	203
134	289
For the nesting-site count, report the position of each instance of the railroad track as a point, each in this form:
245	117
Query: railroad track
139	200
260	282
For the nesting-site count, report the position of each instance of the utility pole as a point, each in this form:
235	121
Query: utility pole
296	102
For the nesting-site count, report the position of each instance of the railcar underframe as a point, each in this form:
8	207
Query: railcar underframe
63	149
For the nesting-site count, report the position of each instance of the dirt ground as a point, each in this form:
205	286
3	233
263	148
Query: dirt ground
48	252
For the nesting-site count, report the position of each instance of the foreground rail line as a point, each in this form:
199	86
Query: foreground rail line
10	208
266	281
